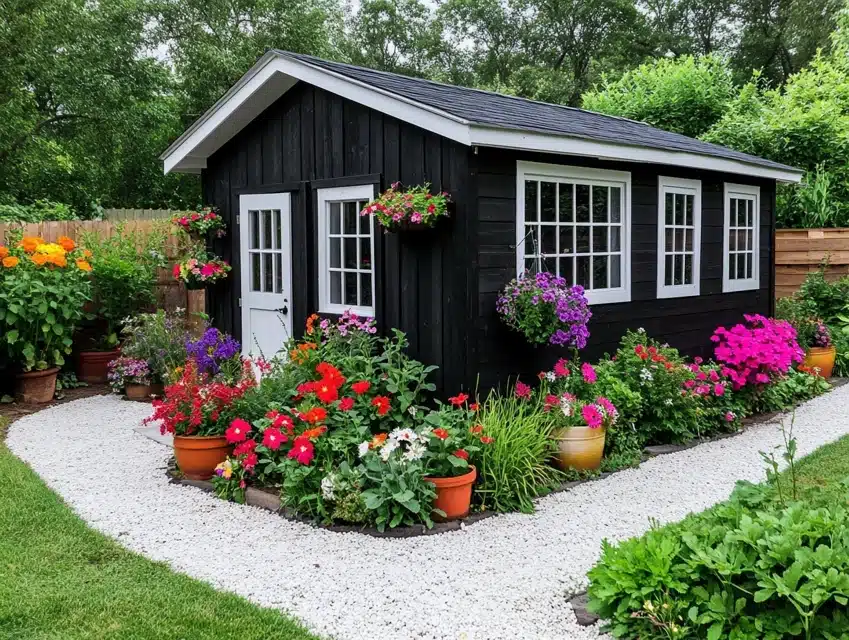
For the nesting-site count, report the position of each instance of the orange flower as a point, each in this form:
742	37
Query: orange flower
378	441
4	251
10	261
314	433
58	260
30	243
311	321
66	243
83	265
39	259
86	253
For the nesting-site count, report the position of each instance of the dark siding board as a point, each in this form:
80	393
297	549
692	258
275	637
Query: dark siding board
272	153
292	149
391	244
337	137
253	167
323	142
307	133
356	139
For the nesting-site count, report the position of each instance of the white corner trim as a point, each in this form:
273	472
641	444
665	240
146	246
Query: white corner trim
693	188
323	196
566	173
746	192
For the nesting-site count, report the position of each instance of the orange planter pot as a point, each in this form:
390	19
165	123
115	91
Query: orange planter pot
36	387
454	495
821	358
197	456
579	448
93	366
137	391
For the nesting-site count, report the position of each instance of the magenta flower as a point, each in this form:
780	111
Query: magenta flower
589	373
560	368
592	416
523	391
719	389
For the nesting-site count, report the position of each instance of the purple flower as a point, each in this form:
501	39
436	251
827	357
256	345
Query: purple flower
211	349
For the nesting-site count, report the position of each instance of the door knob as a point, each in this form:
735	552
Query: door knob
283	310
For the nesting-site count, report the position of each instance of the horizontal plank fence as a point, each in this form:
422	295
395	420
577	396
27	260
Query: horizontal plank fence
117	215
800	251
170	294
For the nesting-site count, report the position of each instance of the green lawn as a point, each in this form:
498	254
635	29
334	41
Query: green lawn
820	475
61	579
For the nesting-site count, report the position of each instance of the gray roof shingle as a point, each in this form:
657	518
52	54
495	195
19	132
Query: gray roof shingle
496	110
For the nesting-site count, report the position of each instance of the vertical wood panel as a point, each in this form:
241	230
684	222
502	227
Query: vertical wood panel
323	142
391	258
272	153
308	134
337	137
292	143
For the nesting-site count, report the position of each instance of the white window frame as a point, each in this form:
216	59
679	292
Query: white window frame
743	192
584	175
366	193
684	187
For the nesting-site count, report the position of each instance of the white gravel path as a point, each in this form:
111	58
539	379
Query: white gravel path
505	577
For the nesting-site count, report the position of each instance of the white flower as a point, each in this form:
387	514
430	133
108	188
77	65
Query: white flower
412	411
363	448
387	449
641	330
415	452
550	376
646	375
327	484
403	435
668	402
567	407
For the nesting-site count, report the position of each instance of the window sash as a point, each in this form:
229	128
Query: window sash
684	228
741	238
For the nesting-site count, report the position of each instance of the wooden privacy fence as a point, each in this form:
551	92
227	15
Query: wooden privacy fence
170	294
800	251
117	215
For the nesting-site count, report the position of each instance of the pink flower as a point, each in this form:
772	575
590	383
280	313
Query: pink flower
346	404
592	416
560	369
207	270
273	438
714	376
523	391
589	373
729	417
416	217
550	402
719	389
761	378
237	431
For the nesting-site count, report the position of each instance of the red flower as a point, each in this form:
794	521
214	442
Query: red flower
382	404
314	415
250	461
361	387
487	439
551	401
326	391
306	387
176	271
237	431
273	438
478	428
284	421
330	374
474	406
302	450
541	375
461	453
442	434
246	447
459	399
346	404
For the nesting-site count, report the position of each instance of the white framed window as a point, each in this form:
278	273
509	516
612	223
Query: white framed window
741	242
679	230
345	250
576	222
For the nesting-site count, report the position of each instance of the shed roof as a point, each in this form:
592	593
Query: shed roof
469	116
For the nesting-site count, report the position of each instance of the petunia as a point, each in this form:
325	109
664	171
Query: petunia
302	450
237	431
244	448
272	438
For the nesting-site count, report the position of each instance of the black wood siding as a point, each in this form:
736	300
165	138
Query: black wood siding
311	139
686	323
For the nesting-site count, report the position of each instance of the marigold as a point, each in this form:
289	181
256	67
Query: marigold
39	259
4	251
83	265
30	243
87	253
58	260
51	249
66	243
10	261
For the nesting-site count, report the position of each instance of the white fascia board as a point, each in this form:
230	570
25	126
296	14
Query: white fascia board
269	79
530	141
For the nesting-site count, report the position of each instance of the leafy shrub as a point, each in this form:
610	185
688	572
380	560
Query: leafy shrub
786	392
124	276
43	289
39	211
827	300
740	570
159	339
516	467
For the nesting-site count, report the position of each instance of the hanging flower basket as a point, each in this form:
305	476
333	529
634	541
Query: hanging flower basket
198	271
200	223
411	210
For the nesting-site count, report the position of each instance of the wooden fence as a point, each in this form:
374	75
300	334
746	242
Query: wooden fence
169	293
118	215
800	251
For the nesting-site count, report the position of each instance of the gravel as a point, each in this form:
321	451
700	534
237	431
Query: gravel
505	577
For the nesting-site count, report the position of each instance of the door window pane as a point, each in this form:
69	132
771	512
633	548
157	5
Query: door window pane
266	229
335	217
600	204
336	287
267	272
256	272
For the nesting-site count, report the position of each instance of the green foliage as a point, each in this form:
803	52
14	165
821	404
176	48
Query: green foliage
516	467
39	211
124	275
687	95
788	391
801	312
744	569
160	340
398	494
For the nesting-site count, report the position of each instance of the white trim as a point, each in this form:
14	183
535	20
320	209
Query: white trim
366	193
692	188
583	175
275	73
743	192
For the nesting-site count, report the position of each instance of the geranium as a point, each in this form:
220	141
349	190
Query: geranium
545	309
237	431
302	450
272	438
382	403
588	372
199	270
757	351
459	399
462	454
346	404
415	205
201	222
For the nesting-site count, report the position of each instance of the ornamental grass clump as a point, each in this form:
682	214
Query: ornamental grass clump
546	310
757	352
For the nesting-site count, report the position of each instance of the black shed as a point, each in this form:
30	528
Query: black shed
666	232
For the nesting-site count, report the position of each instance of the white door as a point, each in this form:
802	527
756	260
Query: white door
266	258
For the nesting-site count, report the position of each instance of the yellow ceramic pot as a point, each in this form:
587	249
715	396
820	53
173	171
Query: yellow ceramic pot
579	448
821	358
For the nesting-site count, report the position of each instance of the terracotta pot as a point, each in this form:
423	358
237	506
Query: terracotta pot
579	448
137	391
197	456
821	358
93	366
454	495
36	387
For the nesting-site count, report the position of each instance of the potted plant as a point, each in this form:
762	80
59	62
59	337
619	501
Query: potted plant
130	376
124	276
546	310
454	441
159	339
412	209
198	411
197	224
819	349
43	289
581	431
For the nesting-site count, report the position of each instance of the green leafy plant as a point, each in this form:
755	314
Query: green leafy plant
796	386
39	211
159	339
414	206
